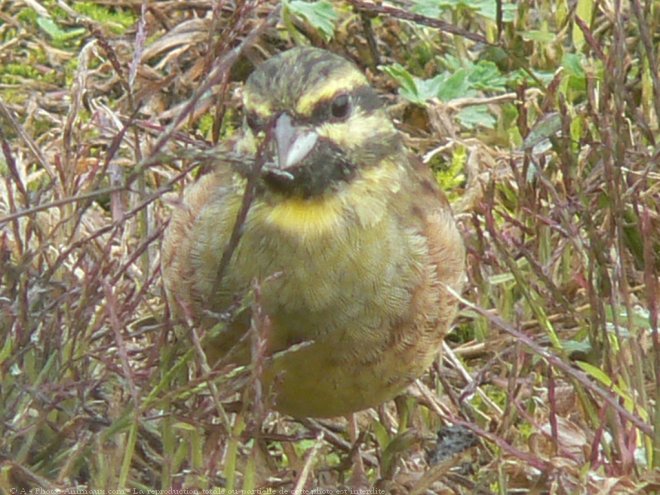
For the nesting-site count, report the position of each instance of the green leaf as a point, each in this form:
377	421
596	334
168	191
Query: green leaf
519	76
451	177
321	15
52	29
408	83
547	127
602	377
453	63
429	88
463	79
573	67
477	115
571	346
429	8
595	373
457	85
486	8
583	10
485	75
501	278
114	18
444	86
572	64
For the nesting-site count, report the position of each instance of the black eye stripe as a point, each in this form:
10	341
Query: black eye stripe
366	98
363	98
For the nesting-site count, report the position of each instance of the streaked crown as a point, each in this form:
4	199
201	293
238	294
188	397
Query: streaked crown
326	122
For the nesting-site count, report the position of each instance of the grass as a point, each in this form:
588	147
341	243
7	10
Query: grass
540	118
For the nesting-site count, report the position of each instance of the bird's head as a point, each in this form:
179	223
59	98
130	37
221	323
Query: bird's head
324	124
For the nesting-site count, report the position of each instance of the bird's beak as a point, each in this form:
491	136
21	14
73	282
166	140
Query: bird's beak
293	143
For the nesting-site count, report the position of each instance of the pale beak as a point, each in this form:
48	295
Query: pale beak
293	143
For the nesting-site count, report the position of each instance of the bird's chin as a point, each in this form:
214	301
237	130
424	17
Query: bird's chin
285	181
279	175
322	171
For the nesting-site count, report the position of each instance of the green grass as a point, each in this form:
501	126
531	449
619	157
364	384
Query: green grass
544	125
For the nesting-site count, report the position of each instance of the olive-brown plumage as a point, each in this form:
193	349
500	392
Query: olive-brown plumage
363	243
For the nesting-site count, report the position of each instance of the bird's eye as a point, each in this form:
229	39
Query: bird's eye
340	108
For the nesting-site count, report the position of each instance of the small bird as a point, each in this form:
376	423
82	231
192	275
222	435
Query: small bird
351	241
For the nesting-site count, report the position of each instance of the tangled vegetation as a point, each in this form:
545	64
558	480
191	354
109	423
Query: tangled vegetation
540	120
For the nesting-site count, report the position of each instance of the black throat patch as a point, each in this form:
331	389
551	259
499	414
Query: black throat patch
325	168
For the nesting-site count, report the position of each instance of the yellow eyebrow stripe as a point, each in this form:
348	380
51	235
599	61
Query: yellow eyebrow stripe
344	81
358	130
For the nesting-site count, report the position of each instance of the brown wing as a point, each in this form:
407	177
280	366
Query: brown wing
185	276
192	248
432	306
445	243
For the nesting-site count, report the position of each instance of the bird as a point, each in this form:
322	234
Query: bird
352	244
